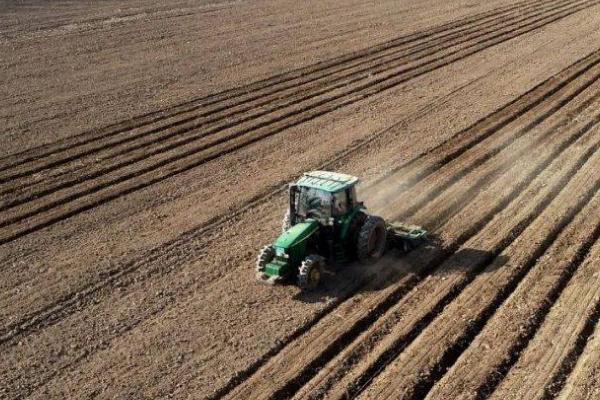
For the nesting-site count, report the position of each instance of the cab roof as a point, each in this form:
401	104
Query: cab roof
328	181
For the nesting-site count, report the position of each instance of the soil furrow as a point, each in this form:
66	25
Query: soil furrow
357	365
233	142
153	294
207	130
195	104
481	152
425	360
183	131
433	160
294	365
553	129
541	369
522	313
122	277
108	338
378	48
136	140
584	381
123	328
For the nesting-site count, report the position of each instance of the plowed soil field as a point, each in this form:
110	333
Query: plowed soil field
145	152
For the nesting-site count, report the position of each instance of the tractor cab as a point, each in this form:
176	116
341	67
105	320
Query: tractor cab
326	197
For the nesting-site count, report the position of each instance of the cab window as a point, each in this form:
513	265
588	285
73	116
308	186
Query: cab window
340	203
315	202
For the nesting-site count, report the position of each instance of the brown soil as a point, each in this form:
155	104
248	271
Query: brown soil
144	158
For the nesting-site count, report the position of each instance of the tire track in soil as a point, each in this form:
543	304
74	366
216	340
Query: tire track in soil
337	373
559	342
44	161
521	315
583	382
93	346
195	104
112	186
413	204
456	196
226	111
339	380
261	387
415	170
124	276
135	324
411	373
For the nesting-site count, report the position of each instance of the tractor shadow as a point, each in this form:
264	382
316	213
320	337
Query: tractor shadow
428	260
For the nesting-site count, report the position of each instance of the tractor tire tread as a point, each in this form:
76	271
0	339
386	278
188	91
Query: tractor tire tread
364	253
304	272
265	256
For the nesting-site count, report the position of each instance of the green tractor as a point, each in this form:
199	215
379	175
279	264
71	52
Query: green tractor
325	227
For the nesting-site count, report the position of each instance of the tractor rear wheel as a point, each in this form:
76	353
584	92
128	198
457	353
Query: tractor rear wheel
372	237
310	272
265	256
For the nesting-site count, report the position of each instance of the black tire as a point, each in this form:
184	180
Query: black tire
357	222
265	256
287	222
310	272
371	241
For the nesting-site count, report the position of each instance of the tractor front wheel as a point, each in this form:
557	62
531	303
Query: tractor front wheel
371	241
310	272
265	256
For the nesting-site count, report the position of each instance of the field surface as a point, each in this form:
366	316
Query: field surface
145	148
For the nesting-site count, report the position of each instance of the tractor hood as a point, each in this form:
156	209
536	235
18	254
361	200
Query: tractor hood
296	234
